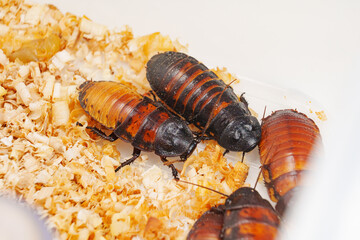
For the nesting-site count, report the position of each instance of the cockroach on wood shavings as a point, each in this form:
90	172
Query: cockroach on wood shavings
64	170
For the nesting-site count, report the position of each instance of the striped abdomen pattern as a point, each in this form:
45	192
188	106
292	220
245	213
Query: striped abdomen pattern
133	118
208	226
288	138
193	91
249	216
245	215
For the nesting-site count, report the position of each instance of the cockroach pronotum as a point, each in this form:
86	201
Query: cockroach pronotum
288	138
208	226
147	125
197	94
245	215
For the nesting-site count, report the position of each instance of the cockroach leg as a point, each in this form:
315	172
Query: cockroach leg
153	95
172	167
112	137
243	100
135	155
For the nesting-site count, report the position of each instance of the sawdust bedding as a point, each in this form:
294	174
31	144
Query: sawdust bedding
66	172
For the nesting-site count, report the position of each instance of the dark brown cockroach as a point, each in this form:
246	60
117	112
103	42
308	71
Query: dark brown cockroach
146	124
288	138
193	91
245	215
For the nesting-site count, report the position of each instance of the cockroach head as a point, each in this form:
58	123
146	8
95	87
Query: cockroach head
173	138
245	196
241	135
242	195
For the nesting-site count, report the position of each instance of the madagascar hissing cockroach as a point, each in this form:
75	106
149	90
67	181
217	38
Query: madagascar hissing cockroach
190	89
146	124
245	215
288	138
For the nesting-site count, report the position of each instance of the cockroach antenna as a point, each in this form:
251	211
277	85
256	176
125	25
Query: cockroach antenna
243	156
258	177
210	189
263	114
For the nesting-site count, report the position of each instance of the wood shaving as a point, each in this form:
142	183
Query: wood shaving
321	115
67	172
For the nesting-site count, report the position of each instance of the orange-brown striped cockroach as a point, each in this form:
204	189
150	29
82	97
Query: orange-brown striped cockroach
199	96
245	215
288	138
208	226
146	124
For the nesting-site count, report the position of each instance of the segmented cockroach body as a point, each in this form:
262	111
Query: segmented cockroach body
196	93
246	215
249	216
288	138
147	125
208	226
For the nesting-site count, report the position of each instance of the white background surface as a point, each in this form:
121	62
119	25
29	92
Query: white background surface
309	46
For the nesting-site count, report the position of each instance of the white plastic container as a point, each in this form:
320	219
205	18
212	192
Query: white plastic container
310	46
